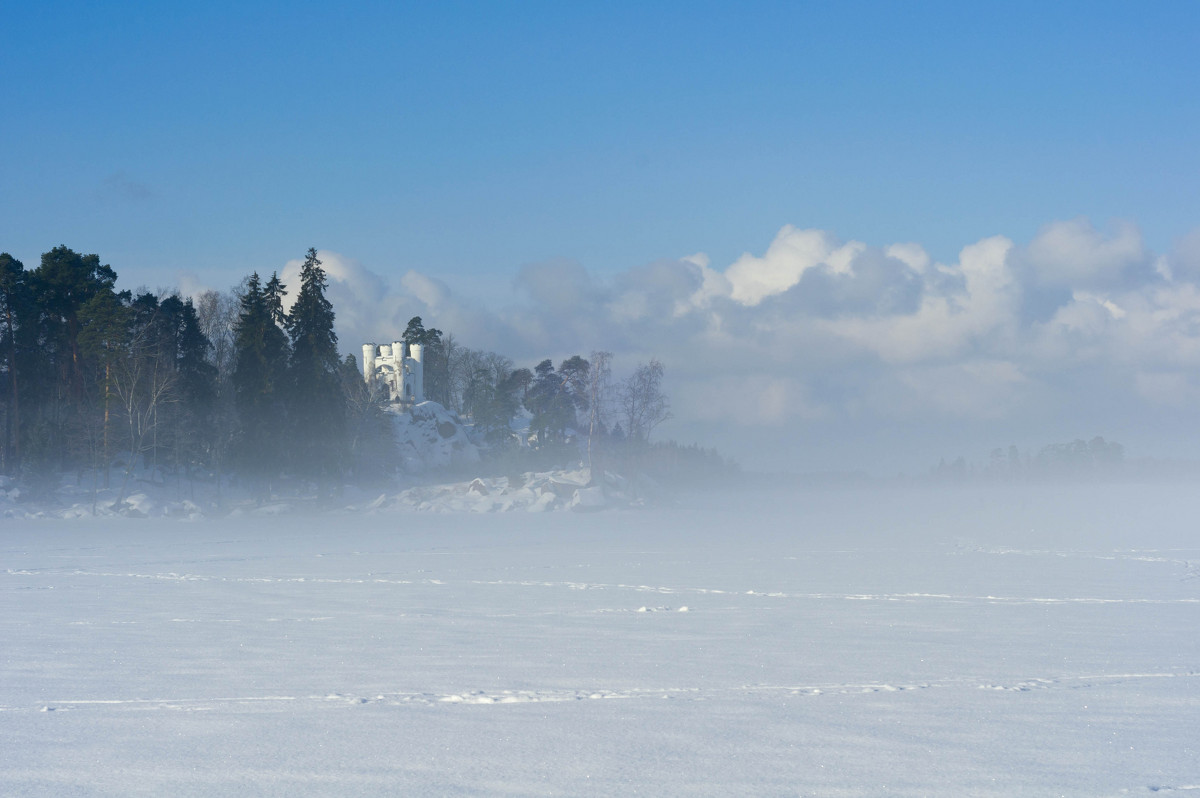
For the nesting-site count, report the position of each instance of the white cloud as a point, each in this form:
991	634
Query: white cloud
1184	260
713	285
752	278
913	255
947	324
1076	254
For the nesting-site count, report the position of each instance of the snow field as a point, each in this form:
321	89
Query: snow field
1023	641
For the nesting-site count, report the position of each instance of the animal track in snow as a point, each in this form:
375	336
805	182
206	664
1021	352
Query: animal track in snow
1022	687
177	577
483	697
663	590
892	597
1078	682
840	689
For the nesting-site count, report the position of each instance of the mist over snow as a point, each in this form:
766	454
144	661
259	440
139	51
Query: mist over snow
1015	640
818	353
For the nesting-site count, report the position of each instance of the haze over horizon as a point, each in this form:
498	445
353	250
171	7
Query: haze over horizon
858	237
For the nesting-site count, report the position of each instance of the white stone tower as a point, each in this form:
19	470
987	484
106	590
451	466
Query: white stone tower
402	375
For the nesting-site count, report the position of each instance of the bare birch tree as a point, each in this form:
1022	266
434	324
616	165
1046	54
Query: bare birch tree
599	391
142	383
643	404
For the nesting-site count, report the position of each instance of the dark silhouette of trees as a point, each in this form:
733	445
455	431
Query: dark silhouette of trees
17	342
371	452
195	438
493	396
88	373
64	282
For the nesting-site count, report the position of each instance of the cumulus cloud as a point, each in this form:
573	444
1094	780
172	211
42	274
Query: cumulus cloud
1184	260
1076	254
792	253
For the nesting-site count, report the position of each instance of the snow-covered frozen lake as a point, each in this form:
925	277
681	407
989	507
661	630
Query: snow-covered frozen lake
1021	641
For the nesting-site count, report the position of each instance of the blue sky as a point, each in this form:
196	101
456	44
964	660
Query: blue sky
469	139
472	144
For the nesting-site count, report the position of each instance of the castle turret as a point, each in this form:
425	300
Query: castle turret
417	353
368	362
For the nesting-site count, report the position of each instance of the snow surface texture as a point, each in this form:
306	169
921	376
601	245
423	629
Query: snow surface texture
1016	642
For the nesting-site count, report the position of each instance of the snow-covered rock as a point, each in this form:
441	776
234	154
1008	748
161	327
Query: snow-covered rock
430	437
589	499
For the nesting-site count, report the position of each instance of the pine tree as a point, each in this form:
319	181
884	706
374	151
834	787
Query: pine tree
317	403
64	282
64	395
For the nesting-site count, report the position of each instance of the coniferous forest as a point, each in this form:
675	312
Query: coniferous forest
97	381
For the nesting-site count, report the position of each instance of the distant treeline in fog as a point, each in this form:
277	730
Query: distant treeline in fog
93	380
1077	459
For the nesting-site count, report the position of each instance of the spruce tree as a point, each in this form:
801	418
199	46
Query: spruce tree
192	432
317	403
258	381
273	295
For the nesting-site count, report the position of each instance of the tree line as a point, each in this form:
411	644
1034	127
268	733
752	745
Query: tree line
96	379
1078	458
